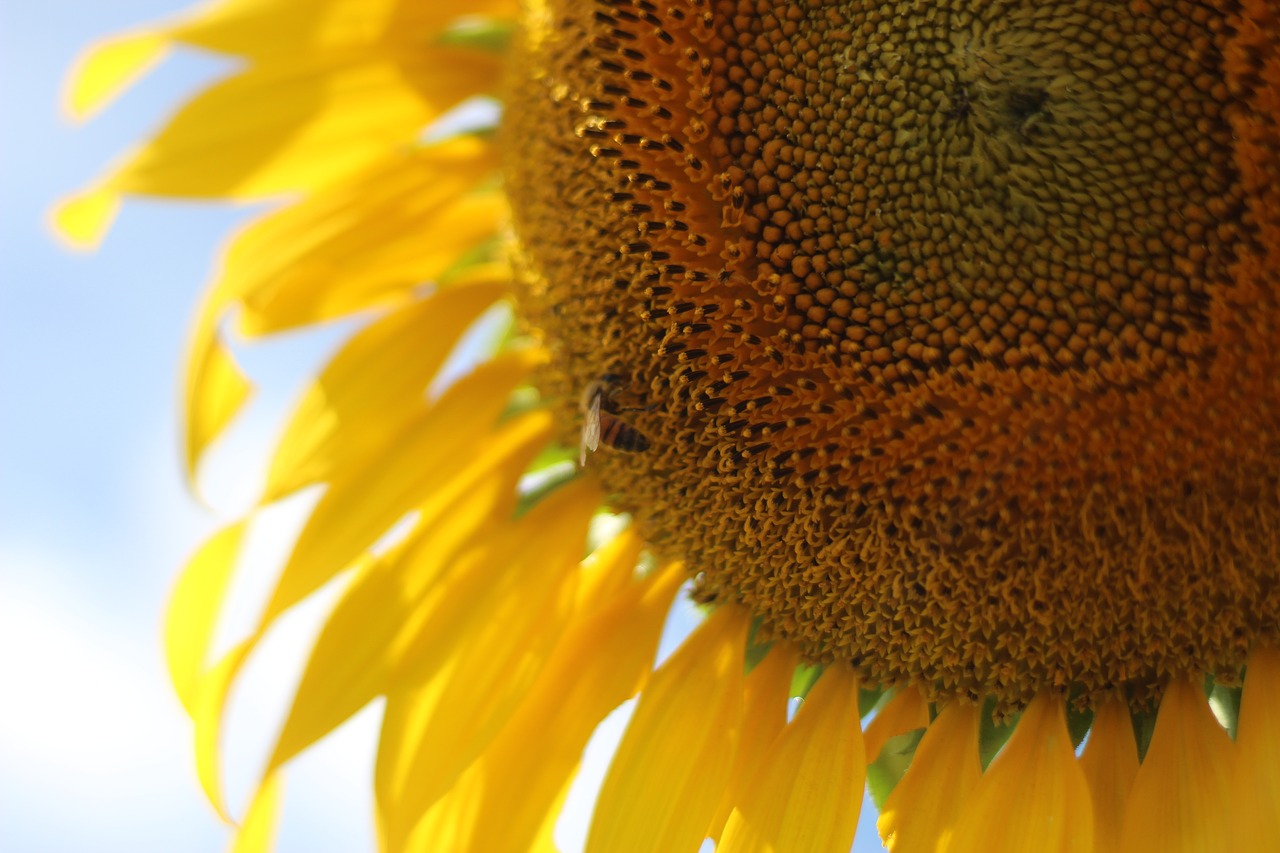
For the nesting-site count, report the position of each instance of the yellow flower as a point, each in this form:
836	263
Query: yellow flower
937	343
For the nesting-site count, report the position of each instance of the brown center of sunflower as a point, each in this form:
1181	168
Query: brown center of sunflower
951	327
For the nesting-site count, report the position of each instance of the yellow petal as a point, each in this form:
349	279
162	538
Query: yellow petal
215	391
1181	796
426	741
379	620
210	707
365	395
920	814
608	569
765	696
359	508
807	792
905	712
193	610
365	240
287	27
1110	763
479	639
298	123
257	833
673	762
1033	796
83	219
108	68
335	280
358	646
504	799
1257	792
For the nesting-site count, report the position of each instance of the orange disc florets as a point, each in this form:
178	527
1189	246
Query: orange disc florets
952	328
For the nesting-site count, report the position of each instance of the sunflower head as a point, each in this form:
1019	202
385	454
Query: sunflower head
936	342
950	326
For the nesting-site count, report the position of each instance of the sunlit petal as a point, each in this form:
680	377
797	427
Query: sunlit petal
257	833
921	813
1257	751
671	767
807	792
905	712
358	508
765	697
1033	796
193	610
1181	797
503	800
1110	763
108	68
375	384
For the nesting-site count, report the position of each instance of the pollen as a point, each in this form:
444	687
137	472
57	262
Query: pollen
952	327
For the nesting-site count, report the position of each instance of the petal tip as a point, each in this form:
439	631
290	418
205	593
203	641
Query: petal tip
82	220
107	69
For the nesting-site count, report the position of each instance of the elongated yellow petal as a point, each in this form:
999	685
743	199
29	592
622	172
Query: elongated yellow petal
288	27
257	833
356	650
503	800
335	279
1110	763
479	640
906	711
765	696
382	231
210	707
807	793
367	393
921	813
1257	791
1181	796
673	762
608	569
421	754
359	508
215	391
1033	796
108	68
299	123
193	610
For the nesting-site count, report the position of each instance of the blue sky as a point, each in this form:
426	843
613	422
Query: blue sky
95	752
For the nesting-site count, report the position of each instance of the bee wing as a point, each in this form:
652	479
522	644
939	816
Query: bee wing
590	429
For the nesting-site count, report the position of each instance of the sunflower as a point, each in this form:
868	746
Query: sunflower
932	348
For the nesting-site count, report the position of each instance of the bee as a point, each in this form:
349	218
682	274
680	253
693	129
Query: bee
601	424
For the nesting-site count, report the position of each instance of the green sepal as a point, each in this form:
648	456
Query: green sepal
1225	702
480	34
886	771
1078	724
1144	724
869	698
992	735
803	679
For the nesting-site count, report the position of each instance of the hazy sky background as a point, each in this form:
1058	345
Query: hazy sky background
95	752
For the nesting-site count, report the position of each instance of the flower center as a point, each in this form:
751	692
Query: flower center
946	325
